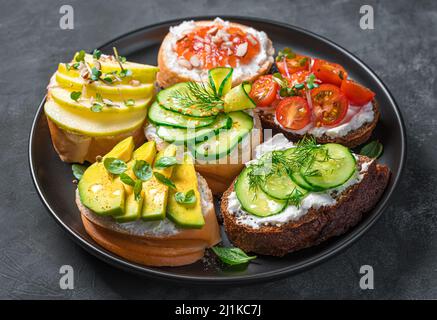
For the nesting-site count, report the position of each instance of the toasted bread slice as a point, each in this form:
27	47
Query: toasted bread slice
220	175
351	139
74	147
168	74
317	225
155	243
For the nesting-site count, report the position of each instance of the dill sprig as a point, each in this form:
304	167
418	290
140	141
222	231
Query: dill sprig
198	95
300	159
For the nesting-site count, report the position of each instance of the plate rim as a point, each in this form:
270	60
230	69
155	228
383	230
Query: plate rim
312	261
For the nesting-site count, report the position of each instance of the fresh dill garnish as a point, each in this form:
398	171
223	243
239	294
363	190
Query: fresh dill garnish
285	162
198	95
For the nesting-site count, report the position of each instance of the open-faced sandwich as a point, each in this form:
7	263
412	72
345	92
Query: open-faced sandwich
212	120
296	196
147	207
95	101
315	97
192	48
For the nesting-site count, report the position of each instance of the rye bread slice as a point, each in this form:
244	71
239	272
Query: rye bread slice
352	139
317	225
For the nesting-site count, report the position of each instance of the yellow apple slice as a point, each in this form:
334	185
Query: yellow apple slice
120	91
62	97
141	72
94	124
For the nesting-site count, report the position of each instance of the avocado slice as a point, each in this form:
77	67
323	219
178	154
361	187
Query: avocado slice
98	190
133	206
156	193
183	215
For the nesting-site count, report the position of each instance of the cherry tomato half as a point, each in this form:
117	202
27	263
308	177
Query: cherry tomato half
356	93
264	91
292	65
329	72
329	105
293	113
299	78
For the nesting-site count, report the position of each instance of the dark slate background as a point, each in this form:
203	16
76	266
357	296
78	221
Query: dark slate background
402	246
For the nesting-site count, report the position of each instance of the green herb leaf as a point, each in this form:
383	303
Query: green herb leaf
76	65
95	74
96	54
78	170
165	162
114	165
129	102
125	73
80	56
75	95
372	149
164	180
286	53
185	198
126	179
107	79
142	170
96	107
232	256
137	189
67	66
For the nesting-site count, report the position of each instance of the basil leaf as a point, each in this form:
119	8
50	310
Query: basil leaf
165	162
95	74
114	165
372	149
129	102
80	56
142	170
232	256
78	170
138	186
126	179
75	95
97	54
185	198
161	178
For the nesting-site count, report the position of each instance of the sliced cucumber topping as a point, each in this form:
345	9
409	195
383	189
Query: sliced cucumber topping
164	117
226	140
221	80
300	181
281	187
238	98
192	135
256	202
331	168
166	99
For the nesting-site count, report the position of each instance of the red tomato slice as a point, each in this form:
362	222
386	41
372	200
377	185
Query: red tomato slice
299	78
356	93
329	72
293	113
264	91
329	105
298	63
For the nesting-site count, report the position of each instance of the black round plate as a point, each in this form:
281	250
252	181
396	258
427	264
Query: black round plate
53	178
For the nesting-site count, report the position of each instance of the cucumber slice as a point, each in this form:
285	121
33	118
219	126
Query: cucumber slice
281	187
334	171
300	181
164	117
238	98
225	141
166	101
181	136
256	202
220	79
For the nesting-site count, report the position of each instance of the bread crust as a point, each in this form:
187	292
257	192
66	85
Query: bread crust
351	140
152	249
317	225
167	76
77	148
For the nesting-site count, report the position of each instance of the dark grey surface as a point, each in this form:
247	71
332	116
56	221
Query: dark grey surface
401	247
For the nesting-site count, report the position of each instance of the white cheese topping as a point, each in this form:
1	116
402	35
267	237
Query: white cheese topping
355	118
240	72
291	213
